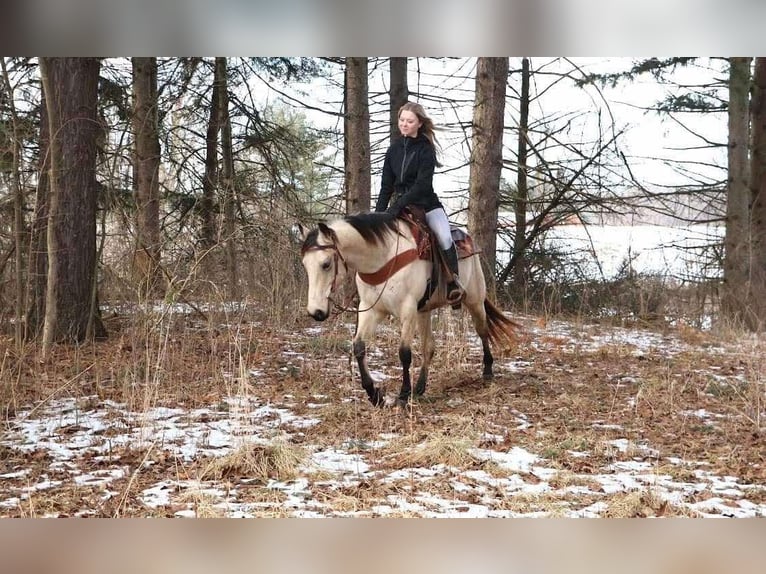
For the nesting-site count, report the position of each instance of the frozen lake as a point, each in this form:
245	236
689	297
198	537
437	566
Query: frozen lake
684	253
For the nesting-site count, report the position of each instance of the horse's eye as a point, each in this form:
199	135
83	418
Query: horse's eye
326	265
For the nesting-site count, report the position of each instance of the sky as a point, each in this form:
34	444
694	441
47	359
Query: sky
648	139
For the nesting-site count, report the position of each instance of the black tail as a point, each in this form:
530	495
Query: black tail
501	331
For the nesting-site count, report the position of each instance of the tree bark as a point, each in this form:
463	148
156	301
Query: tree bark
228	197
37	267
756	303
18	209
210	179
522	191
398	93
71	93
487	159
147	171
737	239
357	137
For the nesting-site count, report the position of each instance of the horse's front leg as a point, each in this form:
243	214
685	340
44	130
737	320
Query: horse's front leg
408	322
365	329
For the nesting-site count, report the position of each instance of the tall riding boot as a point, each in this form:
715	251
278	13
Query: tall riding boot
455	291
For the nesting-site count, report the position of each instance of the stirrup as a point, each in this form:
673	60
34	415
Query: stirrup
455	294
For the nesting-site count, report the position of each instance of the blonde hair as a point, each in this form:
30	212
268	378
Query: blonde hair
427	128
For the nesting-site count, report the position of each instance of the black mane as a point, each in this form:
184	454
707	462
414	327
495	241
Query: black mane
374	226
310	240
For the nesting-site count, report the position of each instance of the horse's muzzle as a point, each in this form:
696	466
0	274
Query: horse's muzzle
319	315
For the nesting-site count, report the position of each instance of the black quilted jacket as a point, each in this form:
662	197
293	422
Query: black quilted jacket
407	178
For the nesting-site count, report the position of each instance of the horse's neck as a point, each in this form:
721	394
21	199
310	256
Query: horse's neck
367	257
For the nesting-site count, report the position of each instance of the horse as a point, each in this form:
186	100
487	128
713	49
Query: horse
392	279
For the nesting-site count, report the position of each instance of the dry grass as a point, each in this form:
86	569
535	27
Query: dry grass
430	449
575	400
203	504
277	460
643	504
526	503
362	497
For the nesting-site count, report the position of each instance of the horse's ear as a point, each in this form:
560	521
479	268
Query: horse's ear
325	229
298	232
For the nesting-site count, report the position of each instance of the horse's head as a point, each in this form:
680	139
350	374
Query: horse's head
325	268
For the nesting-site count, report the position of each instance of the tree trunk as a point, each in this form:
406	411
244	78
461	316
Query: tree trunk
38	243
357	137
18	209
71	93
487	159
210	179
737	240
147	171
522	192
399	92
756	309
228	197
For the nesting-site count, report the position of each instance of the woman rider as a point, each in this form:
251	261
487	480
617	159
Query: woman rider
408	172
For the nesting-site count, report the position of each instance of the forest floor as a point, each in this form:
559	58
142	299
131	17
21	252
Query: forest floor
179	416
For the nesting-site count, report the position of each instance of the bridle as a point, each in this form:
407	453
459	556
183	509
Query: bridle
336	256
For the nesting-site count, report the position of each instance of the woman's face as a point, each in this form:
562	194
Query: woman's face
409	124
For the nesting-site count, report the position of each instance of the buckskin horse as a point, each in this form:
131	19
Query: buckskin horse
396	275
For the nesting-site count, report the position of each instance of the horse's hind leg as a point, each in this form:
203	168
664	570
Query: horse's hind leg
427	343
479	316
365	329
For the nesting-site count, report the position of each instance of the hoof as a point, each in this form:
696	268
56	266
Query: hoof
487	376
377	398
